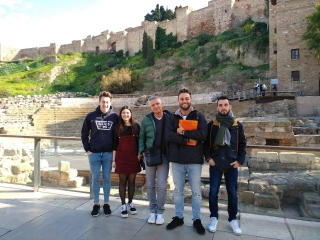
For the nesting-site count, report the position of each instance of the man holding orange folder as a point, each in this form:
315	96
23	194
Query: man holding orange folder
186	131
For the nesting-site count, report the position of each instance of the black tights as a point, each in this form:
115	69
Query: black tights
131	179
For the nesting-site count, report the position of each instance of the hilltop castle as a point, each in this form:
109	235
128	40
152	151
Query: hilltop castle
292	65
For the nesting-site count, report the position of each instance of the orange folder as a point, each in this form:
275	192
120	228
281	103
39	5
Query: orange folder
189	125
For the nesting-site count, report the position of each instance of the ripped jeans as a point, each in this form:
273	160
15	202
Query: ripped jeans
179	172
97	161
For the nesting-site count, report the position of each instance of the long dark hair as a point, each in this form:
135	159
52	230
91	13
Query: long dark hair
120	127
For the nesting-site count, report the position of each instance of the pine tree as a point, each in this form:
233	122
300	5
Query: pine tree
161	41
150	53
144	45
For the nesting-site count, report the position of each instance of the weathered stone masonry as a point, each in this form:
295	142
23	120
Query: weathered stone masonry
219	16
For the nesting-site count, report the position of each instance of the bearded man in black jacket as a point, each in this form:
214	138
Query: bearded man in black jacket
186	157
224	150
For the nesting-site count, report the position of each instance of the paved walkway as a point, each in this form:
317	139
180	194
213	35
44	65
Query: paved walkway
54	214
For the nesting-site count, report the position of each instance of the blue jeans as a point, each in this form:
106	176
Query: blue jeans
179	172
96	160
157	201
231	179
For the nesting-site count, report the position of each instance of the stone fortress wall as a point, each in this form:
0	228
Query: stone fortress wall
217	17
286	21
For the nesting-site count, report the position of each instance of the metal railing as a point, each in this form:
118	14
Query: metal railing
37	141
246	94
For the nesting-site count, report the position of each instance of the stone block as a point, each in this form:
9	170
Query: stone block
243	184
271	190
310	198
63	183
306	158
77	182
258	165
291	193
277	166
54	182
64	166
313	210
247	197
20	168
69	175
258	185
268	201
267	157
277	180
223	195
55	174
25	151
205	191
279	130
11	152
301	184
26	159
288	157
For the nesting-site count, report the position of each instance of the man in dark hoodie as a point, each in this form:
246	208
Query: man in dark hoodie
186	157
97	140
224	150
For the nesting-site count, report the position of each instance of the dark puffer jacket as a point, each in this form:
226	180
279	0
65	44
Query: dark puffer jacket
179	151
224	155
148	131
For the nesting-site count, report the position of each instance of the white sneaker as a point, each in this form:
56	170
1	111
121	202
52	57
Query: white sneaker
235	228
124	212
152	218
213	224
132	209
160	219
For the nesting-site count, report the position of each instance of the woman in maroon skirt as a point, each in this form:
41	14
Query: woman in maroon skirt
125	157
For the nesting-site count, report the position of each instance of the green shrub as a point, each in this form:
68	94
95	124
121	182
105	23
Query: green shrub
4	93
203	38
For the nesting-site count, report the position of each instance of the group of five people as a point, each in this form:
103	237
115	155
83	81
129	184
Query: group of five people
117	141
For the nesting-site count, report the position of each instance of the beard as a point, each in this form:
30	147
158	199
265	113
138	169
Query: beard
185	108
224	114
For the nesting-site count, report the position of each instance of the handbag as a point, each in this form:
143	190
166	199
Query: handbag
153	155
142	165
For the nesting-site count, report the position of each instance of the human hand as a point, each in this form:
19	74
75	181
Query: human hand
211	162
235	164
113	164
180	130
193	141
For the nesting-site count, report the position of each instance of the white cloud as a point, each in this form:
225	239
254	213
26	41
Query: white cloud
10	3
2	11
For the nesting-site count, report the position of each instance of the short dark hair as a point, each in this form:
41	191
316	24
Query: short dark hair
222	98
184	90
105	94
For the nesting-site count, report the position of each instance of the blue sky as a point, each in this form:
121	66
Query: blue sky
37	23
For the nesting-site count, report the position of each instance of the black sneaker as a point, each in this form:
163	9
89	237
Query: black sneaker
95	210
176	222
198	226
106	210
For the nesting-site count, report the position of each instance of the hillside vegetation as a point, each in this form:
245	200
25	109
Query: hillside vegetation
209	61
